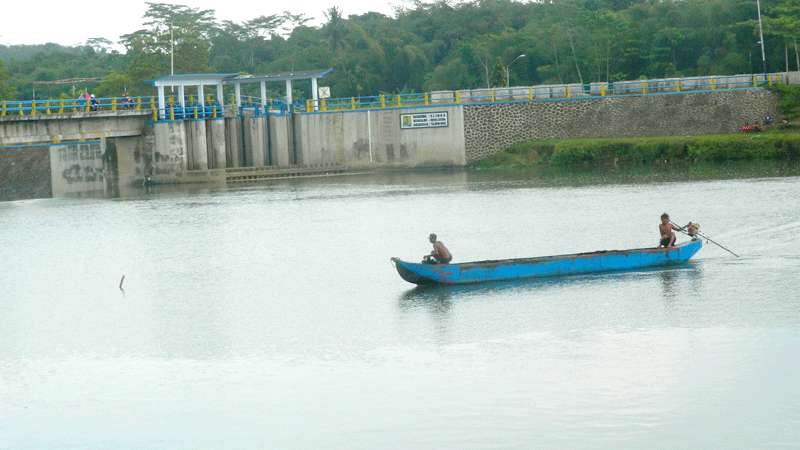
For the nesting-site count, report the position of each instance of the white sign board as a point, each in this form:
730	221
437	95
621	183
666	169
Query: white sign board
325	92
424	120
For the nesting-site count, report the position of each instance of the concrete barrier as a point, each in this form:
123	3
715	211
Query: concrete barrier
216	142
196	144
376	138
281	141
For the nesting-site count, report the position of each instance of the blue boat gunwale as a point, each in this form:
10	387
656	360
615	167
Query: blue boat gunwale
536	259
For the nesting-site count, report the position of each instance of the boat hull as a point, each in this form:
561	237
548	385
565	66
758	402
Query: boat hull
547	266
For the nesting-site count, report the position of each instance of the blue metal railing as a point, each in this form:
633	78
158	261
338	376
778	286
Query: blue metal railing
212	108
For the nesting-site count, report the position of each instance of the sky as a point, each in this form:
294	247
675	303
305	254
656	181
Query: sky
72	22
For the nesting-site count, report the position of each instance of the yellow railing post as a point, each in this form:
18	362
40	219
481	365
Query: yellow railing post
195	113
309	105
602	90
171	107
61	106
397	100
138	103
3	109
426	99
114	104
769	79
530	94
383	101
33	108
569	94
754	81
21	108
713	84
323	105
494	96
191	100
457	95
352	103
644	87
214	111
677	85
88	105
47	107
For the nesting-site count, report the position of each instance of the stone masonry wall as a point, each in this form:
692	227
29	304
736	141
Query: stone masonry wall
493	128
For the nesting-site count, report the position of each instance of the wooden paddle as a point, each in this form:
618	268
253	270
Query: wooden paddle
706	238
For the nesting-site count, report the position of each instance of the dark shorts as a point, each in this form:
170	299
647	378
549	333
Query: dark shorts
665	242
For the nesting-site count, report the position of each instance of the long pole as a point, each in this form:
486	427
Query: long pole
171	54
171	51
761	35
706	238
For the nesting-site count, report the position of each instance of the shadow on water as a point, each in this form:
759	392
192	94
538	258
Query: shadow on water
440	299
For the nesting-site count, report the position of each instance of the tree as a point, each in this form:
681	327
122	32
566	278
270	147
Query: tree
6	90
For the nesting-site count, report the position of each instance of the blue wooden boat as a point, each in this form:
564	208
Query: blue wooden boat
545	266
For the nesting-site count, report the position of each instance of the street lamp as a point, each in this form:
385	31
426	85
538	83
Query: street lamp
508	75
761	35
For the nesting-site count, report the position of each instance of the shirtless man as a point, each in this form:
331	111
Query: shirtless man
667	230
440	253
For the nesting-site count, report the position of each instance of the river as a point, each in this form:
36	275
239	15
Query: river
269	316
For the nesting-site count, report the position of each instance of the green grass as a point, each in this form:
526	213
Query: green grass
651	150
789	102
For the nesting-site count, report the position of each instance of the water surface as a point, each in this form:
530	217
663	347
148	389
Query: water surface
269	317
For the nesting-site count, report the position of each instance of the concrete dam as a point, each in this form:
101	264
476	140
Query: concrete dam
70	153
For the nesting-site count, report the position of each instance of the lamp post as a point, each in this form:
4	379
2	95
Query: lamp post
761	36
508	71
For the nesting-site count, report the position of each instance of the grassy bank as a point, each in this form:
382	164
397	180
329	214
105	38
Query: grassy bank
773	145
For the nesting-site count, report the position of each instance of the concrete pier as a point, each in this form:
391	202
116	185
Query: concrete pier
233	142
255	141
281	141
197	144
216	142
169	152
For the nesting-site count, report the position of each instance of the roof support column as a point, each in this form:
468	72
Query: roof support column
182	100
162	112
315	93
220	95
238	92
289	93
201	100
263	93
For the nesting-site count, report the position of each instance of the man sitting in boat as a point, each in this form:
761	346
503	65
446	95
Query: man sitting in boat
440	253
667	230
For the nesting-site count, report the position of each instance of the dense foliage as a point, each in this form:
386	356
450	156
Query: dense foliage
772	145
430	46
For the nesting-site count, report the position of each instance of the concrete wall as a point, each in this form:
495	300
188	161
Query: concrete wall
25	172
281	141
216	142
375	138
233	142
255	141
55	128
77	168
169	153
490	129
196	145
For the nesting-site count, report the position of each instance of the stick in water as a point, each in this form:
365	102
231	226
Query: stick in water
121	280
709	240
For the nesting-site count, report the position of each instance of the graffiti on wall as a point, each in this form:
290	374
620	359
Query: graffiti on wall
80	162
